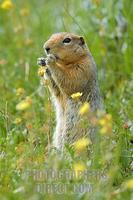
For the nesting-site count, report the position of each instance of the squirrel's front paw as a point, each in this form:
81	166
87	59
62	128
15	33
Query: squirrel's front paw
50	60
41	61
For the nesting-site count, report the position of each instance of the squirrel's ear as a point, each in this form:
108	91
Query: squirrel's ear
82	41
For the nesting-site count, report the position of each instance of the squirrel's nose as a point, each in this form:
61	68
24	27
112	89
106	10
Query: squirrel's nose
47	49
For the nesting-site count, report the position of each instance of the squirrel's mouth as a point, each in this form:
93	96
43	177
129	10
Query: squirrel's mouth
57	57
47	53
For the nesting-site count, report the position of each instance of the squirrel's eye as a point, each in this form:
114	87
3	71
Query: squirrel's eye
66	40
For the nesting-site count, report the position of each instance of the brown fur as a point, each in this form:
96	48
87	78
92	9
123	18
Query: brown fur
71	69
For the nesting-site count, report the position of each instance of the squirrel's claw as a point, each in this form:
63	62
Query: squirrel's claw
50	59
41	61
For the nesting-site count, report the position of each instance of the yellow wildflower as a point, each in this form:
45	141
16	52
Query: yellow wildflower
81	144
108	117
24	12
76	96
25	104
20	91
104	130
78	168
106	124
7	5
18	120
129	184
84	108
102	122
41	71
105	119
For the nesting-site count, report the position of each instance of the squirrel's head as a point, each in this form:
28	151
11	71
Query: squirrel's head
66	47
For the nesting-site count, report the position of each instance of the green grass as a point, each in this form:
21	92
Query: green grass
107	28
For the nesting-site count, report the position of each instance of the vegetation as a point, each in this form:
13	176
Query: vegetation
27	116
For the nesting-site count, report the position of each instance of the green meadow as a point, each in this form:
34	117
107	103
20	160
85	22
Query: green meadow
29	170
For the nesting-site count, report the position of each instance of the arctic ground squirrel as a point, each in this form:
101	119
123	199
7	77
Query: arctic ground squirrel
70	69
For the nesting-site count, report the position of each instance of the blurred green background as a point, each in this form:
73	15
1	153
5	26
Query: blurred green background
25	134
